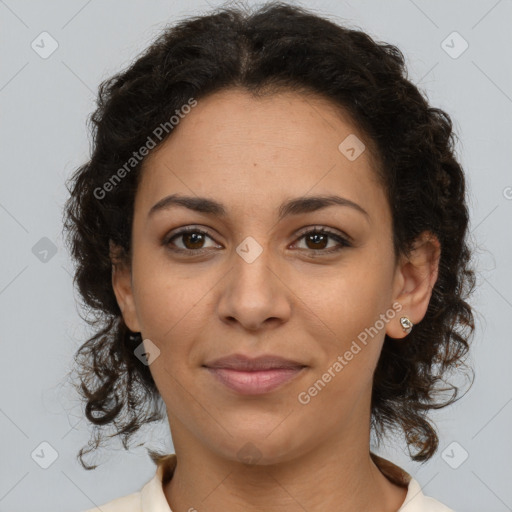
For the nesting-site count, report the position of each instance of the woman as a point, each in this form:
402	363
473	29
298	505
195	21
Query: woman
272	231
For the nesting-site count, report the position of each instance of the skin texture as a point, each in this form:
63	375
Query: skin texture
251	155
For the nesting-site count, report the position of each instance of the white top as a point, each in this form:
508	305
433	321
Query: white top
151	497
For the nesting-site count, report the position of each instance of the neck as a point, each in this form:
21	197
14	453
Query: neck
329	477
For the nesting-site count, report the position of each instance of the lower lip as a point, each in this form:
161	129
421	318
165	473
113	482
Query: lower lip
255	382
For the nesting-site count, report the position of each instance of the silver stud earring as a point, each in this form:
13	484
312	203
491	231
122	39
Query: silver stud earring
406	324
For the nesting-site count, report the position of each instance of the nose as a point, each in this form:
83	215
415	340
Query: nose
255	294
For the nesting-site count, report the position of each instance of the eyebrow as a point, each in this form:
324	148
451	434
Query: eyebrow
291	207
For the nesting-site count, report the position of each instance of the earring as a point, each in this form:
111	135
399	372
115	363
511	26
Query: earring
134	336
406	324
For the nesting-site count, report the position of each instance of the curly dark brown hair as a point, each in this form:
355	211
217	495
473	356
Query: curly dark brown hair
277	46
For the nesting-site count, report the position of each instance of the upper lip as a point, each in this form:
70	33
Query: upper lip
242	362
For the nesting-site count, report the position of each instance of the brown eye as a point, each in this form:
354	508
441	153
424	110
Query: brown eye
192	240
317	240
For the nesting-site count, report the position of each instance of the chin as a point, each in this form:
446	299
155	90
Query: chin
258	448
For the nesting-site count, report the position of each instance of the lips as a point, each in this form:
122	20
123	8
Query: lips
245	363
254	376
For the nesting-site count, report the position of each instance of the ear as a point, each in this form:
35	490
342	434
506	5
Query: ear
123	288
414	279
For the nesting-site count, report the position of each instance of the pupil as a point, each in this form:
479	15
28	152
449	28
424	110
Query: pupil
317	238
197	238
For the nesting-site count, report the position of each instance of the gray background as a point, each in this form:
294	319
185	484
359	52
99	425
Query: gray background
45	104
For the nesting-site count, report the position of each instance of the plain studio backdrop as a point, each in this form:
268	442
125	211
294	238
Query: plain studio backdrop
457	53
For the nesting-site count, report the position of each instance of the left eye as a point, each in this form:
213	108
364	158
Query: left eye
316	239
319	237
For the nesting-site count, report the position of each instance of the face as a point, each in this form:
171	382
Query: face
253	280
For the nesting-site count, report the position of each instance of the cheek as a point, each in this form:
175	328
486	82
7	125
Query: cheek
348	298
167	301
350	308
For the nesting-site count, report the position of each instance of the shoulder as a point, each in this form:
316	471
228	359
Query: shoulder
417	501
128	503
150	497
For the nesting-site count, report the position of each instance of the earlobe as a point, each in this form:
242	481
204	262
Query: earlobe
415	279
123	290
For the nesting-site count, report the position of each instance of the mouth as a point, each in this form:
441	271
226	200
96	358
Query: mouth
254	376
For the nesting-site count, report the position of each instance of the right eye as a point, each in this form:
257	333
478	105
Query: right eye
192	239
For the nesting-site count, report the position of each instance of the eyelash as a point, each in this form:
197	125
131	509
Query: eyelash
325	231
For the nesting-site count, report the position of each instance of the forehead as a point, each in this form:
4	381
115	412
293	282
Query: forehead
234	146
